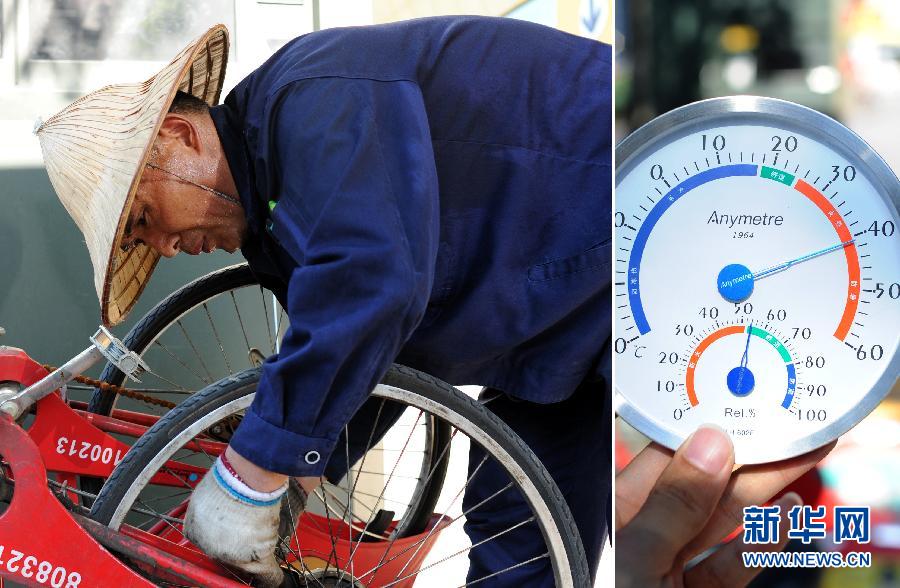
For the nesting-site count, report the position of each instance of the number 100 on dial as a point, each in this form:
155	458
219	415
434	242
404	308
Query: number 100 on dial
757	276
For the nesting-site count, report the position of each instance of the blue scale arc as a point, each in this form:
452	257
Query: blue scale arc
640	241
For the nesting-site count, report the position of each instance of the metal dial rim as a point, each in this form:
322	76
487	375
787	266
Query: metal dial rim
821	128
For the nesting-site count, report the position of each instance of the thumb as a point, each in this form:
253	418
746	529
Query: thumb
682	500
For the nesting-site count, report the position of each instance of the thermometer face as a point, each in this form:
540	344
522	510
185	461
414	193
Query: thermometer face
757	276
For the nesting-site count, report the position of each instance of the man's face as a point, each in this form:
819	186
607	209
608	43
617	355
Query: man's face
170	213
170	216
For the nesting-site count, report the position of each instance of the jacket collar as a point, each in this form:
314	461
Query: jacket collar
228	126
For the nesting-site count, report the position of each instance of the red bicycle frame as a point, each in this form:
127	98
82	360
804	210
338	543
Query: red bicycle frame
42	543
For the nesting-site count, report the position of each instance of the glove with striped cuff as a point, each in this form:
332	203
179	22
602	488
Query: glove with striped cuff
236	524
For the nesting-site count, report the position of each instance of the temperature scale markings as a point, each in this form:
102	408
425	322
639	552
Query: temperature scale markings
673	195
653	216
850	253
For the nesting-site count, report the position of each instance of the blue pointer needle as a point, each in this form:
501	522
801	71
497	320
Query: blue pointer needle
740	380
783	266
746	349
735	281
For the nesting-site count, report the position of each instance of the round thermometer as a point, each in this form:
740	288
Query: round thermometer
757	276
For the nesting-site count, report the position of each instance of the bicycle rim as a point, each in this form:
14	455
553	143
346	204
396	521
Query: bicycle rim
210	329
469	421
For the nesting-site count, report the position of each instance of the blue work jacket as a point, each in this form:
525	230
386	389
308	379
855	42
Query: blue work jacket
434	192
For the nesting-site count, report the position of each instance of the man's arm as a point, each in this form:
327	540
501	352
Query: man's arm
352	170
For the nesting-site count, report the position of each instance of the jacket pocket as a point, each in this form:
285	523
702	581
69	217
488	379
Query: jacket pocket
594	259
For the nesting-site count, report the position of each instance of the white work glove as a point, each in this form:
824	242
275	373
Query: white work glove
236	525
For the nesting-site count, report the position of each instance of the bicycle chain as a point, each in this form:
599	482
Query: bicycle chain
128	392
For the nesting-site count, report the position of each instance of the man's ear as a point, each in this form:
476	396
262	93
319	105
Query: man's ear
179	131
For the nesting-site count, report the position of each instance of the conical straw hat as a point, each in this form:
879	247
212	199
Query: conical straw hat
96	148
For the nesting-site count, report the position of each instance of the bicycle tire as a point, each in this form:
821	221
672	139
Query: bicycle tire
400	383
187	298
150	326
163	314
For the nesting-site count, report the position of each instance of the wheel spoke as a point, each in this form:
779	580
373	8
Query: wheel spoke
297	553
504	570
362	463
331	534
350	494
399	470
279	332
237	312
196	353
461	551
381	495
421	542
218	339
205	381
262	294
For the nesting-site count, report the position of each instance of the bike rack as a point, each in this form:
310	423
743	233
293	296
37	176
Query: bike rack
38	535
42	543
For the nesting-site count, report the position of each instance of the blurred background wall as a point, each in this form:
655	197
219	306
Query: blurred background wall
841	57
52	51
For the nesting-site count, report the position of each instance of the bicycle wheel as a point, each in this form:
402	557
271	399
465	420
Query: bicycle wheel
215	326
194	315
185	439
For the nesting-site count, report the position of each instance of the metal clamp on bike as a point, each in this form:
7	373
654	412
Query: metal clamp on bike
104	345
128	362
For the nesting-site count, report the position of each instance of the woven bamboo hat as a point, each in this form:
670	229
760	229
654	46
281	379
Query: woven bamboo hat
96	149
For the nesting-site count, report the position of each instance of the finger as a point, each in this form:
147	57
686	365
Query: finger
682	500
726	566
752	485
634	482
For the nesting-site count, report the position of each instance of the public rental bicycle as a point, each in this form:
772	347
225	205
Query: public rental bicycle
93	493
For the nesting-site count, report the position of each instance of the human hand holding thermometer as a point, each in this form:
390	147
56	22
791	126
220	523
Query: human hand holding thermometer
736	281
747	179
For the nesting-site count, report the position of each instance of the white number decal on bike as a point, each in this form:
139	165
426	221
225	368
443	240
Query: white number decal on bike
16	556
47	573
28	566
88	451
